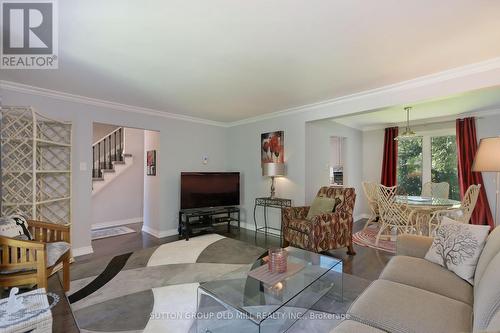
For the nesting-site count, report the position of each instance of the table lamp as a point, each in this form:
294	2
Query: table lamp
488	160
273	170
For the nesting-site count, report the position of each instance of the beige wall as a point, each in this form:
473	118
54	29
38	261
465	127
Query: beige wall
152	186
99	131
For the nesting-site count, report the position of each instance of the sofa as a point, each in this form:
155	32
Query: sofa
415	295
323	232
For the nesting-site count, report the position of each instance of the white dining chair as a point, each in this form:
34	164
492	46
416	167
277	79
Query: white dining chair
394	216
462	214
370	190
436	190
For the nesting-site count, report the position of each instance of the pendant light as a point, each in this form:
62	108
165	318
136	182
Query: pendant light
408	133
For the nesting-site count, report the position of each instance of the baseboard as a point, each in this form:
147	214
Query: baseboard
81	251
109	224
159	234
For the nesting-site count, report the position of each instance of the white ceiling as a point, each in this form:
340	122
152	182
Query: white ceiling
227	60
484	101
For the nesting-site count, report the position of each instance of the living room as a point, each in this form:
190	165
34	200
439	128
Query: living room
218	82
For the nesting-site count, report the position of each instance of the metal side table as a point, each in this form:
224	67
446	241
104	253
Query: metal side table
270	203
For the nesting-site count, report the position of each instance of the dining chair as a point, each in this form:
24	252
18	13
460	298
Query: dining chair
370	189
462	214
394	215
436	190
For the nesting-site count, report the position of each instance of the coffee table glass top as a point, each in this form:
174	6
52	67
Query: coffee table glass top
250	296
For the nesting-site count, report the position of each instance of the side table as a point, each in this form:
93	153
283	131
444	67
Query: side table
266	203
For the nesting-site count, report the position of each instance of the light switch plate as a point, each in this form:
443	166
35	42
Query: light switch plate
83	166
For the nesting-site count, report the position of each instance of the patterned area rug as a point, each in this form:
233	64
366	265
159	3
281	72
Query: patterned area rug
110	232
125	292
368	237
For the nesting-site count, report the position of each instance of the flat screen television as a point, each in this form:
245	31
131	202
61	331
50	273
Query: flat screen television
209	189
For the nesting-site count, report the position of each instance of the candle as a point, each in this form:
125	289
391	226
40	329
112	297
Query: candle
277	262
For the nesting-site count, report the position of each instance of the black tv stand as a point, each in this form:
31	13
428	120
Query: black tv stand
195	220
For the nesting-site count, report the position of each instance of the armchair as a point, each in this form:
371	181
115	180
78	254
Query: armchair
325	231
33	261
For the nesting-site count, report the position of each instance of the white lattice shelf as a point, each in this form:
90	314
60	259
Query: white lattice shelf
36	165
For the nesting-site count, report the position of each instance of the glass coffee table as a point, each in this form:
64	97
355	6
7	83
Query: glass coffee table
239	303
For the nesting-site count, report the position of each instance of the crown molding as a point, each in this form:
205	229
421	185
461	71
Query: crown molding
37	91
454	73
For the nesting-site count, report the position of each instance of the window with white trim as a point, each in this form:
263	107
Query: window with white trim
429	156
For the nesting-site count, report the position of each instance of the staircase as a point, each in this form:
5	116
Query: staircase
109	159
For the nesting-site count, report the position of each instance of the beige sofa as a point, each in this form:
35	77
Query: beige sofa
415	295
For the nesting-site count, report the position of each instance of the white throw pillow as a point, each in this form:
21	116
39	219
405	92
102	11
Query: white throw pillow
457	247
15	226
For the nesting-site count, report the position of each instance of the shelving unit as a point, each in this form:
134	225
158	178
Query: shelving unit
36	165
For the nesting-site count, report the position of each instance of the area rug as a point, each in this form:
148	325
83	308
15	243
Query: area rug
125	293
110	232
367	237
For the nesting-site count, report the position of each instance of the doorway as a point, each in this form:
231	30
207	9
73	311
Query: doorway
118	172
337	160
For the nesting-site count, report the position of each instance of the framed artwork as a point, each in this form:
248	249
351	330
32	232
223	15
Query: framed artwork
151	163
272	147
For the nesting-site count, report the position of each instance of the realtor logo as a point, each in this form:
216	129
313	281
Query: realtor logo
29	34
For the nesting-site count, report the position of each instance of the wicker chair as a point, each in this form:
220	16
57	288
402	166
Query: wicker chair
24	262
323	232
462	214
436	190
370	189
394	215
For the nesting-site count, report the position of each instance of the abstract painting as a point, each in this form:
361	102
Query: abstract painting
151	163
272	147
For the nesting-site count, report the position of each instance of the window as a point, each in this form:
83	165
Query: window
430	157
410	165
444	163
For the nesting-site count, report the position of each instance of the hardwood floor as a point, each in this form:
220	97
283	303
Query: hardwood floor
367	263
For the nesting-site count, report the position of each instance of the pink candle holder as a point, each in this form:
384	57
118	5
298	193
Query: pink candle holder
277	262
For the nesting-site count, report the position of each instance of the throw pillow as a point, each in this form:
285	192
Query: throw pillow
15	226
320	205
457	247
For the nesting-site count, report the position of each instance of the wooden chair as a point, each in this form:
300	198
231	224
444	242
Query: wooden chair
461	214
24	262
370	189
394	215
436	190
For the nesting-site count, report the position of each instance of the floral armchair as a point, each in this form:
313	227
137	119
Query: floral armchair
326	231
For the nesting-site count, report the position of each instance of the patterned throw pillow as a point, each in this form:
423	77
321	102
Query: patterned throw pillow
15	226
320	205
457	247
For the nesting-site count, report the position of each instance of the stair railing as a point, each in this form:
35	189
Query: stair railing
107	150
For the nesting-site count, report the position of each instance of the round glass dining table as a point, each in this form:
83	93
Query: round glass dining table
427	203
423	208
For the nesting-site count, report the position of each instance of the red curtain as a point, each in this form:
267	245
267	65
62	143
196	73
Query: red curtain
466	151
390	159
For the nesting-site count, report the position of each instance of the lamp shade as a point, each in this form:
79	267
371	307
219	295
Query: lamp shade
273	169
488	155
